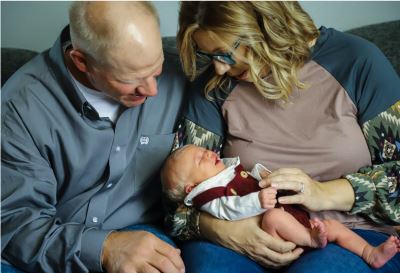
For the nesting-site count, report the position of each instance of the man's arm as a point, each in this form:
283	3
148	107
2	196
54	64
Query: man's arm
246	237
34	237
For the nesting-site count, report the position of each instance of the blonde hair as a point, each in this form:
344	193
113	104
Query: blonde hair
96	36
277	35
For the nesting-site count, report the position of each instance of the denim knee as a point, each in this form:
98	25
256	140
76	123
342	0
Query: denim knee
205	257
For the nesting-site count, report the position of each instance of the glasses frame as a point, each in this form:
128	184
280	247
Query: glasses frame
226	58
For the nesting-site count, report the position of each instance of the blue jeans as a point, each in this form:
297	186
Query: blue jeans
204	257
6	268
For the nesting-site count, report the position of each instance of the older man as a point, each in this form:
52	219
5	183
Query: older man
83	138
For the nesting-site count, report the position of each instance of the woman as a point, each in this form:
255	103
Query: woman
319	107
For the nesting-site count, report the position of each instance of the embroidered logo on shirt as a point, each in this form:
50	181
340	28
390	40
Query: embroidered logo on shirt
144	140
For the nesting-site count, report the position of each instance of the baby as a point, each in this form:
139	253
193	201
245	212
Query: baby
222	188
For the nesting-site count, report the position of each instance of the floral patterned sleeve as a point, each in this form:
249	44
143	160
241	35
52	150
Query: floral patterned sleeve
377	187
182	221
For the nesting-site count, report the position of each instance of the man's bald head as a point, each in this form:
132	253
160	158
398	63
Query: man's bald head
102	29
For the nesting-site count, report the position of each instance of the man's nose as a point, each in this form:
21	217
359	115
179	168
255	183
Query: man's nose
148	87
221	68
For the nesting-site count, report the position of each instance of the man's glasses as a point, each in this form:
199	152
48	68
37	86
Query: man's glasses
204	58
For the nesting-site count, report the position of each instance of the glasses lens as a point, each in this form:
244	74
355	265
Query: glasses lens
202	60
226	59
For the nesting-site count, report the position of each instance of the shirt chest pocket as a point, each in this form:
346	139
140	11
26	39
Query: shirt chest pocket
151	154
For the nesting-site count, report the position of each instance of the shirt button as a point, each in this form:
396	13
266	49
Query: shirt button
95	219
118	148
109	185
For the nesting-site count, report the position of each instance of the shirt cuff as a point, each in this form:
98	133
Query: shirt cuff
92	248
364	190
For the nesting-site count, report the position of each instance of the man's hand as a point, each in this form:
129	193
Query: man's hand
246	237
140	252
267	198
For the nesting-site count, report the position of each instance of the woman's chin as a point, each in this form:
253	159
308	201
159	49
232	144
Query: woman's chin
244	77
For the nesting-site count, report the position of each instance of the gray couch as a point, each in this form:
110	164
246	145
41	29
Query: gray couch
385	35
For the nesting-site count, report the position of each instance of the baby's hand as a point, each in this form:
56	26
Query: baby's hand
268	198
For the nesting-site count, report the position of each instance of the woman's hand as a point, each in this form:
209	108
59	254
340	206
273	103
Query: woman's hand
315	196
246	237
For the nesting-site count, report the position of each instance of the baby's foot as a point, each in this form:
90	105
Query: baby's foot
319	236
376	257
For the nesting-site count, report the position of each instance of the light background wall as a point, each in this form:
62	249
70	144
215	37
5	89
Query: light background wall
36	24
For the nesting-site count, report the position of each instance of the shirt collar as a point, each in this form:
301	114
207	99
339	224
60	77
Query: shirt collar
218	180
60	71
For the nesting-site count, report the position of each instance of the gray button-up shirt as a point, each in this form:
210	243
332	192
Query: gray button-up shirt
69	177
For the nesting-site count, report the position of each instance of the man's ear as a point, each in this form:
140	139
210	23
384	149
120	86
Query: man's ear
188	188
79	59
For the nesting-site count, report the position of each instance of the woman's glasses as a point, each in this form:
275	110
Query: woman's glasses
204	58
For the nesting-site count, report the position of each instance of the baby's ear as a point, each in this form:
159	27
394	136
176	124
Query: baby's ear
188	188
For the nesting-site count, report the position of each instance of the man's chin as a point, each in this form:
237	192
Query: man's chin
134	102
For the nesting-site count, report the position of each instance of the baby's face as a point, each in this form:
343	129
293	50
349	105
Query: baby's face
198	164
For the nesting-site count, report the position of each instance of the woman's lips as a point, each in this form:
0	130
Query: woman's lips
242	76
